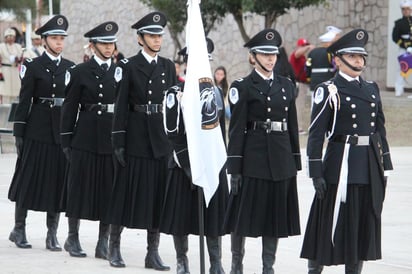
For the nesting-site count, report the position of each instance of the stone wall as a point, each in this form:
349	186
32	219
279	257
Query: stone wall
229	52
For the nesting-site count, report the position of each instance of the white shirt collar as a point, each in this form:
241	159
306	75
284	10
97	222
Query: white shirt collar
263	76
52	57
148	57
347	77
100	61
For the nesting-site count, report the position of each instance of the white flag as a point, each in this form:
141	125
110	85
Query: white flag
207	152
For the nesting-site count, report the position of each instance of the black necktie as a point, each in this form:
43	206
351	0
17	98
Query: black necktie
104	66
56	62
153	63
269	81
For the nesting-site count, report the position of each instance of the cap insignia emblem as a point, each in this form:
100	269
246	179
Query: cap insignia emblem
109	27
156	18
360	35
270	36
60	21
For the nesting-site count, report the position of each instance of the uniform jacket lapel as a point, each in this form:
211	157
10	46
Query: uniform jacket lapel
97	70
353	89
259	84
143	65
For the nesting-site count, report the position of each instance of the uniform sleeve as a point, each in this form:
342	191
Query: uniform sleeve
25	98
293	129
237	127
121	110
320	119
380	128
70	108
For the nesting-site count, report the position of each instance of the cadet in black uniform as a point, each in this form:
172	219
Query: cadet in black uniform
263	155
180	210
140	143
344	225
402	36
86	127
319	66
39	176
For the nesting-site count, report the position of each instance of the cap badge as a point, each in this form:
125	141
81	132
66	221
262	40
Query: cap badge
156	18
360	35
109	27
60	21
270	36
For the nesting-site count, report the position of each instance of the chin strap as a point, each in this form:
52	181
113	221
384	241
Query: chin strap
259	63
350	66
144	42
47	45
101	54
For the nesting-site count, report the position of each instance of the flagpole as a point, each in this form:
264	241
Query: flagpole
201	231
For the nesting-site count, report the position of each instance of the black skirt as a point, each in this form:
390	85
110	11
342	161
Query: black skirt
358	231
180	214
264	208
38	180
138	193
88	185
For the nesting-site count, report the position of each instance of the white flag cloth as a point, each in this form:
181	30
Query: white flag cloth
207	152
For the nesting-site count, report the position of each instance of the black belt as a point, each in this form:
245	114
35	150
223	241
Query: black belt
353	140
268	126
6	65
148	108
52	102
99	108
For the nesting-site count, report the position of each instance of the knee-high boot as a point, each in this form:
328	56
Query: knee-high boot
52	222
18	234
314	267
269	247
72	244
102	249
115	257
238	251
354	268
214	247
181	247
153	259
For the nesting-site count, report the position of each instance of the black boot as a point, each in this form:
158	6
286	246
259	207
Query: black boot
214	247
102	249
72	244
115	257
52	222
153	259
18	234
238	251
269	247
354	268
181	247
314	267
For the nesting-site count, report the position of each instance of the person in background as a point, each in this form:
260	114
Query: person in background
37	48
11	57
402	36
220	80
263	155
141	167
298	59
38	180
319	65
87	115
344	223
181	205
178	66
117	55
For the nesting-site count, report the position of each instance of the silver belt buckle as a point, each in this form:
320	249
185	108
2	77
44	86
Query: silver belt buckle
110	108
363	141
58	102
275	126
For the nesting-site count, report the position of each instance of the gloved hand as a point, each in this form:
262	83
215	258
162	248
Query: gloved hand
320	187
68	153
119	154
409	49
235	183
19	146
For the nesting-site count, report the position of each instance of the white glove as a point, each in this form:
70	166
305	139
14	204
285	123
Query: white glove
409	50
12	58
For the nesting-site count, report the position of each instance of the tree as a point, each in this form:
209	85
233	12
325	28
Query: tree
19	7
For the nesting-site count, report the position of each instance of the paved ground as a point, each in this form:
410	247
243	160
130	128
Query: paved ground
397	236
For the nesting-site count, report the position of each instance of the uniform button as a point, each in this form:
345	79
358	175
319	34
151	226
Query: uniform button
372	124
269	109
353	106
149	102
47	70
100	86
268	98
373	105
163	81
283	90
354	125
99	103
355	134
150	92
284	119
100	94
284	97
286	108
54	85
267	120
348	98
373	96
97	77
150	81
53	95
373	114
354	116
99	112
